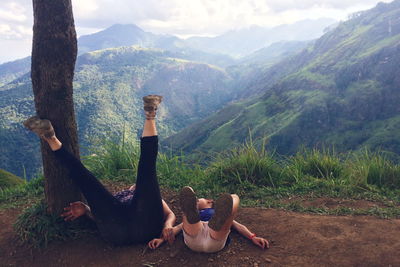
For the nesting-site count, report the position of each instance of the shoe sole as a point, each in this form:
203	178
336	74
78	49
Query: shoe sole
223	211
188	203
150	99
39	126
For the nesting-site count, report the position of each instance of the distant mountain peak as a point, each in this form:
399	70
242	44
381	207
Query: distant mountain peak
124	27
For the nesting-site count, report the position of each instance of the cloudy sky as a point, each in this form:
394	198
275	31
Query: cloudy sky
179	17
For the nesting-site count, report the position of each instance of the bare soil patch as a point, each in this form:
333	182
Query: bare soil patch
334	203
296	240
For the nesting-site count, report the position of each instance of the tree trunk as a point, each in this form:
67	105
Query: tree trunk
54	54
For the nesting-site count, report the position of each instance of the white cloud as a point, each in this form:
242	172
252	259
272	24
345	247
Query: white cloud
186	17
18	32
85	9
13	12
15	20
180	17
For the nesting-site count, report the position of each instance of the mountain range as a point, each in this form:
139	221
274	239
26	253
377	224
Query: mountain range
235	43
342	91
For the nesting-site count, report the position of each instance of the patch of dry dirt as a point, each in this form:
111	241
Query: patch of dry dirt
333	203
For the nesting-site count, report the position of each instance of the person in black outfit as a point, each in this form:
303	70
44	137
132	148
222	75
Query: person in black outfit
132	216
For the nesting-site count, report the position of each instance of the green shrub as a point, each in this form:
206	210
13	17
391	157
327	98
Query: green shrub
32	189
114	160
8	180
244	167
367	168
37	228
174	173
119	161
319	164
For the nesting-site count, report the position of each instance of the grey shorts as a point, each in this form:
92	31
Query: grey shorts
203	242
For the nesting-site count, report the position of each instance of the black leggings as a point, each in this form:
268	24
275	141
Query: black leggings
137	221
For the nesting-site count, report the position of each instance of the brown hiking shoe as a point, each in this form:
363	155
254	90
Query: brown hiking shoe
188	201
150	105
42	128
223	210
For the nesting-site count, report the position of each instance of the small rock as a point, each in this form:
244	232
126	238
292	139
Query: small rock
246	258
255	264
268	260
210	259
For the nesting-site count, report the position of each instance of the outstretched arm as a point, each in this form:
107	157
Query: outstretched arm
243	230
170	218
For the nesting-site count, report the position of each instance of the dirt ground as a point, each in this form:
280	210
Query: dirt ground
296	240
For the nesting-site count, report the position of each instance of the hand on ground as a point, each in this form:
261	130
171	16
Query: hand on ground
155	243
74	211
261	242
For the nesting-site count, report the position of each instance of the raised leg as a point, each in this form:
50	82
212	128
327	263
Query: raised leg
147	203
191	219
101	202
220	233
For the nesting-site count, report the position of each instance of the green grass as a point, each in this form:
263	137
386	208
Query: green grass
252	171
374	169
36	227
8	180
379	45
242	167
30	192
319	164
114	160
261	178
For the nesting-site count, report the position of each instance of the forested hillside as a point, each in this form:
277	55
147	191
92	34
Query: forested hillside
12	70
108	86
341	91
110	82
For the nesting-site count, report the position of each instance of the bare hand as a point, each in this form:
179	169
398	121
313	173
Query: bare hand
261	242
74	211
168	235
155	243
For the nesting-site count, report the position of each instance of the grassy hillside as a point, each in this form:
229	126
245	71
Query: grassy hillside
342	91
8	180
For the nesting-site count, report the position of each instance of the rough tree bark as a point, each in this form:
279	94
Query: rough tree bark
54	52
